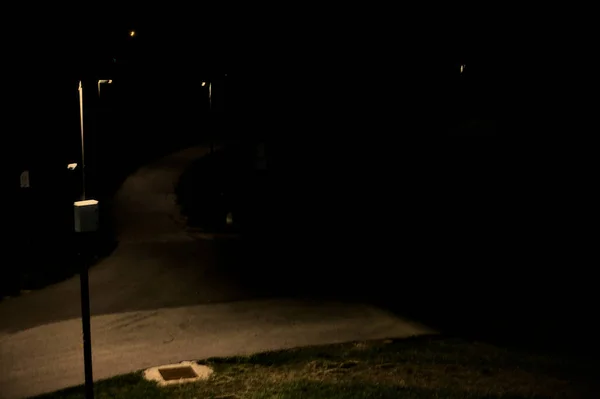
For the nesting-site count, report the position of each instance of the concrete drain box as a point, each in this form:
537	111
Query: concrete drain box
177	373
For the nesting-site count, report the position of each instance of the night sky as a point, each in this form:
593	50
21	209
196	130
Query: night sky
314	67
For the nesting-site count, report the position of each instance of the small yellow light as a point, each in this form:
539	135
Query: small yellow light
203	84
132	33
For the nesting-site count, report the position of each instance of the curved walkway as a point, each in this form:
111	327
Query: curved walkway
164	296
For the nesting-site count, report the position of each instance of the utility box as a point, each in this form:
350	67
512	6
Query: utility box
86	216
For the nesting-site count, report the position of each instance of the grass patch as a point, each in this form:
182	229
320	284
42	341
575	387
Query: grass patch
425	367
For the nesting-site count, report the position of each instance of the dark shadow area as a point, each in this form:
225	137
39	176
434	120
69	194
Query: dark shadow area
466	236
226	191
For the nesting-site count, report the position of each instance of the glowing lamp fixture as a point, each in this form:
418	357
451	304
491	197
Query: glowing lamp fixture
109	81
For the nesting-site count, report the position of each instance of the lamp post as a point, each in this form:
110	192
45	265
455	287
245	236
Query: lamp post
80	90
86	221
209	94
203	84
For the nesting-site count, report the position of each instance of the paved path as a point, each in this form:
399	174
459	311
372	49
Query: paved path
165	296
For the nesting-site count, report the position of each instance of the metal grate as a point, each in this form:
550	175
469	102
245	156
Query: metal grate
177	373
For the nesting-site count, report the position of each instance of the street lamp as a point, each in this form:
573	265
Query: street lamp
203	84
109	81
86	221
80	90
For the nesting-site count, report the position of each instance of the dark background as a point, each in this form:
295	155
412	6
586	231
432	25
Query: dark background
360	113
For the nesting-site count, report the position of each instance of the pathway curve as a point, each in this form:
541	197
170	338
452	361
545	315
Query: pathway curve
165	296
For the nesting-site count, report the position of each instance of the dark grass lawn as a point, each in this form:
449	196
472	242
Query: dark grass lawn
422	367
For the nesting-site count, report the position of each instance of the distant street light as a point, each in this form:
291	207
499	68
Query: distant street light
203	84
109	81
132	33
